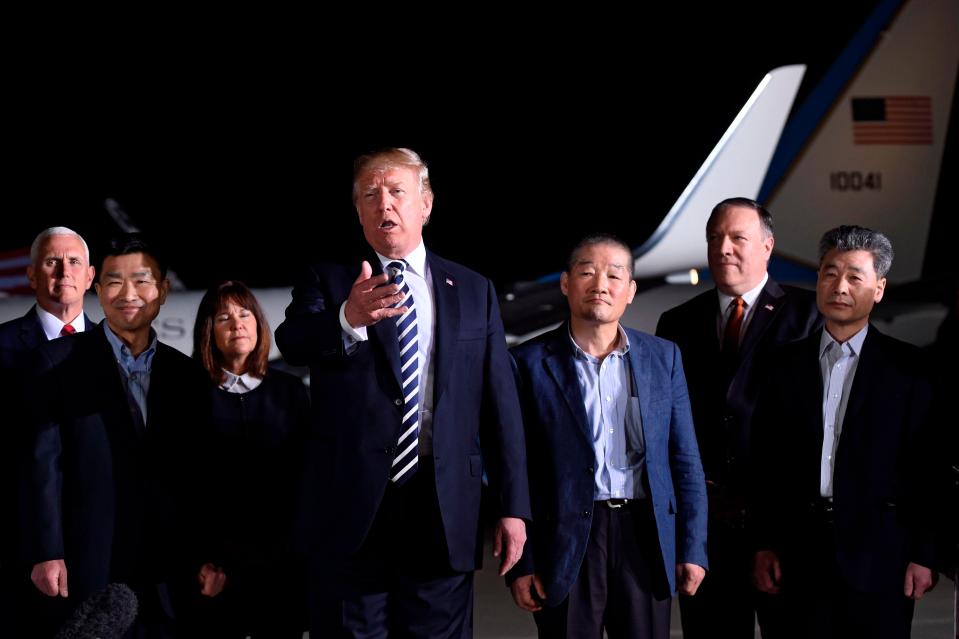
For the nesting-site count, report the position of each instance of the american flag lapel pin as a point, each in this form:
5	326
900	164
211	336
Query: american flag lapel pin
449	282
768	307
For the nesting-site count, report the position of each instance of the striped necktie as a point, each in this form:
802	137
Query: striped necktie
407	456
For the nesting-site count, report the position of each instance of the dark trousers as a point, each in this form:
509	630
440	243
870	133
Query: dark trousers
726	602
259	600
820	603
620	587
400	583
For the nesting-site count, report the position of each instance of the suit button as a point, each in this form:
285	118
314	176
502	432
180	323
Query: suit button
590	470
398	402
389	450
585	514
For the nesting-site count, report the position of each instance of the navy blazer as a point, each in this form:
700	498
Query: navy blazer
357	409
723	403
883	492
561	459
18	338
111	497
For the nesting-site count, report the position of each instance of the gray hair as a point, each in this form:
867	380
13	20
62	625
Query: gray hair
858	238
50	232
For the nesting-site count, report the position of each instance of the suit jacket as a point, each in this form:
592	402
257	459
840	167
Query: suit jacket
101	491
561	459
723	400
357	407
18	338
883	494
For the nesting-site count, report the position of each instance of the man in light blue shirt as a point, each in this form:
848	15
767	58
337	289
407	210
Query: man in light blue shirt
616	483
845	500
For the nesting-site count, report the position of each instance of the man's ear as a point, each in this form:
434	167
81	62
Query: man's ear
32	277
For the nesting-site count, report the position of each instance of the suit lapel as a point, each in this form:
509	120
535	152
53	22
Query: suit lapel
768	305
870	356
31	331
640	370
559	364
446	315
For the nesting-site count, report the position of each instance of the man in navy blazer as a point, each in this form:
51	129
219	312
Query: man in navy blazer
60	273
845	486
724	371
413	400
117	429
616	484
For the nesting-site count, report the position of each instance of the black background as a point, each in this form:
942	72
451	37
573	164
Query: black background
236	156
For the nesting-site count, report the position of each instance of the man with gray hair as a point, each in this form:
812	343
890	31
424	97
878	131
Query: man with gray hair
843	498
60	273
726	335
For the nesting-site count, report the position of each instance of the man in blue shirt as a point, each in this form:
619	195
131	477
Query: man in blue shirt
616	483
117	421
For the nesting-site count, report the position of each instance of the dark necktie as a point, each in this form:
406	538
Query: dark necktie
733	326
407	455
67	330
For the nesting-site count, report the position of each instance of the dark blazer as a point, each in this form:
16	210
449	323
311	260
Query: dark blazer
18	338
260	439
101	491
561	458
722	399
357	406
882	490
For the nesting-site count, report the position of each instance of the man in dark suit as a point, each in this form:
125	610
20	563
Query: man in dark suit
413	400
845	499
725	335
117	423
60	273
616	483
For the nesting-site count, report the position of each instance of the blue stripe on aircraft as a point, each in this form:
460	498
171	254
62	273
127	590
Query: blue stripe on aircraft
814	109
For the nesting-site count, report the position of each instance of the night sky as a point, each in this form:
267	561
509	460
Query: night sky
239	162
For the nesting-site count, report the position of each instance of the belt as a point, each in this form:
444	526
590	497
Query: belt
619	503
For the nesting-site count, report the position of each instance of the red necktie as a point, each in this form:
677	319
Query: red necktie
735	323
67	330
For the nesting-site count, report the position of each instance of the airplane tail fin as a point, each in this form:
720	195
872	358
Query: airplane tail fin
735	167
866	147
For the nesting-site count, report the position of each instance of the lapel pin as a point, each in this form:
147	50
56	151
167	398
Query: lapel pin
768	307
449	281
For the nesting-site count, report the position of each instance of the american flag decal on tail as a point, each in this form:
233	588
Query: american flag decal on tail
899	119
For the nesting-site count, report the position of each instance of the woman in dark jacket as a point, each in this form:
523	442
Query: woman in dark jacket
261	421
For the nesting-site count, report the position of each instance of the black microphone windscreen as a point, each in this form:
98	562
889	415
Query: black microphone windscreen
106	614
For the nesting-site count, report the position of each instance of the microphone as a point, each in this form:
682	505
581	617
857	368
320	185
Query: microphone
106	614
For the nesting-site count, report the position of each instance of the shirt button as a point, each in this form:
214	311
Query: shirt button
608	398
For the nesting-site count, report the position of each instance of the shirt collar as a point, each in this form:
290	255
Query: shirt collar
854	343
749	296
245	381
415	260
122	352
52	325
622	345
